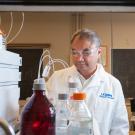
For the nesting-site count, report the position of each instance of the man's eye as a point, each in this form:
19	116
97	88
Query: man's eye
86	53
74	53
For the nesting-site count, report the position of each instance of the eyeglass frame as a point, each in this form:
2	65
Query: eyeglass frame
85	53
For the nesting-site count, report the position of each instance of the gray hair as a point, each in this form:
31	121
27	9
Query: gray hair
87	34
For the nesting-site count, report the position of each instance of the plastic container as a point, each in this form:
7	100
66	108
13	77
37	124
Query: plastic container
73	87
38	115
62	113
80	118
2	40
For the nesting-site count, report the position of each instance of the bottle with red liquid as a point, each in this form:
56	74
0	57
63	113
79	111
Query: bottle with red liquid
38	115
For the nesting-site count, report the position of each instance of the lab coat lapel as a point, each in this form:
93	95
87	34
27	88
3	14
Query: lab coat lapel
97	79
95	84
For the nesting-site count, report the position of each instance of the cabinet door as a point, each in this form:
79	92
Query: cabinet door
29	69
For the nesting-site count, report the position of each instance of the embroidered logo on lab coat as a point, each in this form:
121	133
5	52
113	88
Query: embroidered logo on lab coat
106	95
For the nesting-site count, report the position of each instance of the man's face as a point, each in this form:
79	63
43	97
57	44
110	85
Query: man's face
84	55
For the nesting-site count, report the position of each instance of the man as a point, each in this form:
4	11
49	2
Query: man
105	98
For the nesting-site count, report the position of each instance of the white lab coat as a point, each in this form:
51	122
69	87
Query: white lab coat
105	98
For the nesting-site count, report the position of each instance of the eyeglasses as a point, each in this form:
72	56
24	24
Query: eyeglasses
85	53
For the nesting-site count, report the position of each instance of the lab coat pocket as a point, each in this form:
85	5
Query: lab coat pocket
104	108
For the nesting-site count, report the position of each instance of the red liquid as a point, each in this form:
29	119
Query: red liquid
38	116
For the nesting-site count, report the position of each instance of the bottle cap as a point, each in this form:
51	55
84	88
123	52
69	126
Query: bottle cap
72	85
62	96
72	82
79	96
39	84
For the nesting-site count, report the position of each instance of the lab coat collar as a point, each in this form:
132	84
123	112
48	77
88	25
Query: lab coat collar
95	80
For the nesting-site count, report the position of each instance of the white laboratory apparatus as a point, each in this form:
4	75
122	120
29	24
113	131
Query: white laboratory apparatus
9	89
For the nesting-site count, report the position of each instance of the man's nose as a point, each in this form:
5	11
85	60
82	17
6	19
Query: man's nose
80	57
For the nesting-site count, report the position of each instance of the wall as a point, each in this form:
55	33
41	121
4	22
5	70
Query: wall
123	30
44	28
116	30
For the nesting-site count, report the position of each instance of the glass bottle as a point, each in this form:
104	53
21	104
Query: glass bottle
73	87
38	115
80	120
62	114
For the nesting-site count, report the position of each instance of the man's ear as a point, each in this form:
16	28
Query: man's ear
99	55
99	50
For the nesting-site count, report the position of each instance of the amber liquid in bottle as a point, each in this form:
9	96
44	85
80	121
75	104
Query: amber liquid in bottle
38	116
